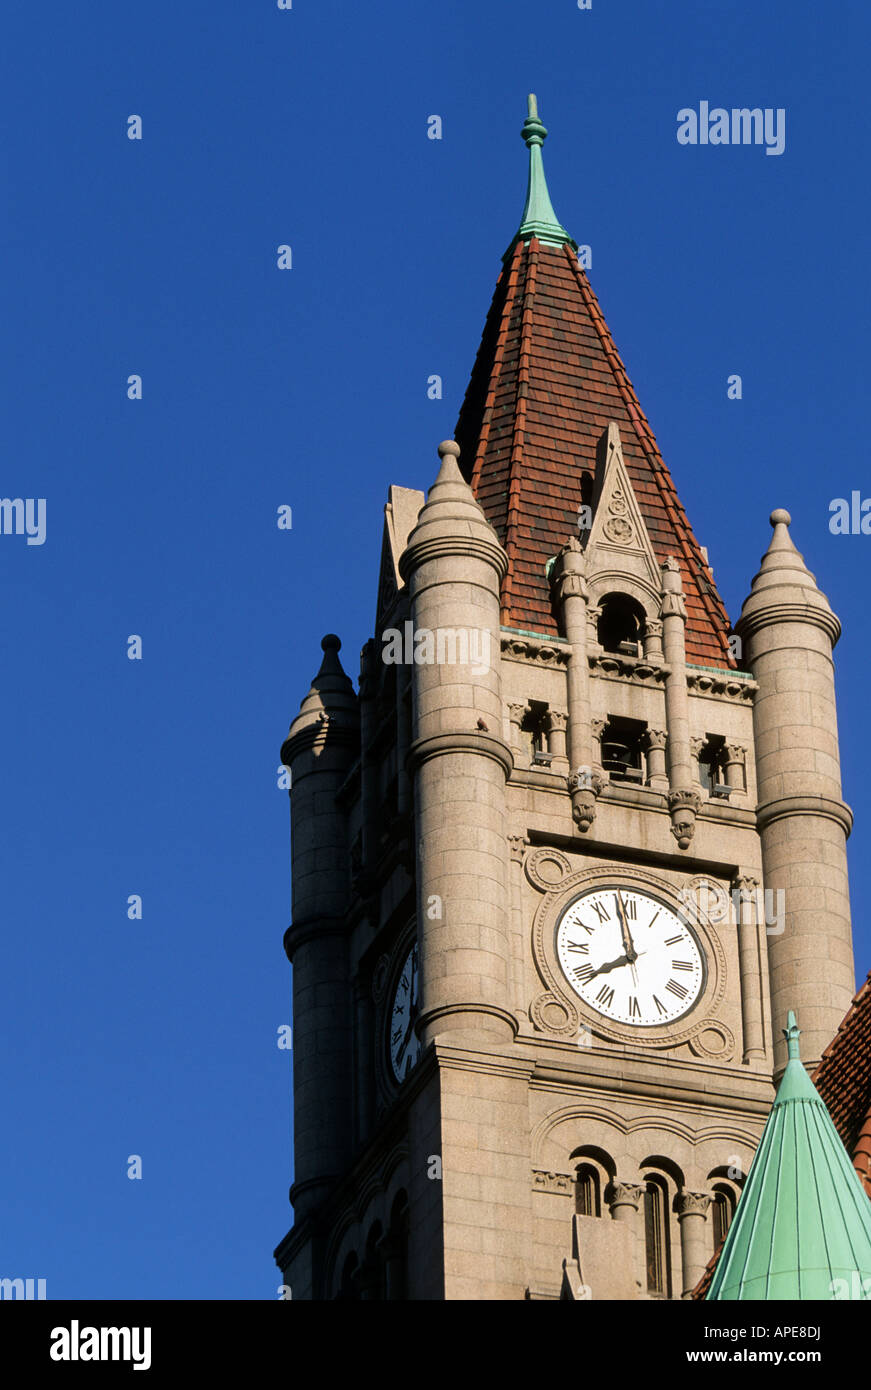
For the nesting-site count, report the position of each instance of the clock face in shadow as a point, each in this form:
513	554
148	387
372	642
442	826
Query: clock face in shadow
402	1041
630	957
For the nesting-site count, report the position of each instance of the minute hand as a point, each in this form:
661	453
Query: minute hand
628	944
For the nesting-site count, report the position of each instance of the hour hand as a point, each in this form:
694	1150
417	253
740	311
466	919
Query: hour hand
612	965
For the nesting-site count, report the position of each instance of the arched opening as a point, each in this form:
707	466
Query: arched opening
722	1211
588	1191
657	1237
621	624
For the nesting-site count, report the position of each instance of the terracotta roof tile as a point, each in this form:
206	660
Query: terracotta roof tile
843	1079
546	382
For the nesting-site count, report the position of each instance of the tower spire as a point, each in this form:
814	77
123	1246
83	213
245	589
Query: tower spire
539	219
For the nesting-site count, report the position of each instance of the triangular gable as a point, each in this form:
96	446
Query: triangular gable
618	539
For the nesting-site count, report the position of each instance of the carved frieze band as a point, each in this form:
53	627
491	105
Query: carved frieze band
543	1181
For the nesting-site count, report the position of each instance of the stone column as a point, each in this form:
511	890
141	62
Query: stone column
735	764
789	630
453	566
653	641
683	799
656	773
516	714
403	739
323	742
370	657
624	1199
570	588
692	1215
557	722
745	892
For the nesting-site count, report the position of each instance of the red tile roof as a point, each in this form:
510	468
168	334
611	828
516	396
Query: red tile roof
843	1079
546	382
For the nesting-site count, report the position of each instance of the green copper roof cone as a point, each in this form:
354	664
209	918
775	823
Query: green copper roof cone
539	219
802	1227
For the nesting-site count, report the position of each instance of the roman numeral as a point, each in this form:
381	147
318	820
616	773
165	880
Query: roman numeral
678	990
605	996
631	907
653	918
634	1011
673	940
582	973
659	1006
397	1035
398	1009
582	946
600	912
681	965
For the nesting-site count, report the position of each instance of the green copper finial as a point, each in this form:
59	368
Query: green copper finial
792	1033
539	219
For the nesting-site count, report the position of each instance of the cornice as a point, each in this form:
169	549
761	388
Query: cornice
783	806
437	745
439	547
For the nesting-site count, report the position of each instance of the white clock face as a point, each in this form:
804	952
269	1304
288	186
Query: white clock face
403	1042
630	957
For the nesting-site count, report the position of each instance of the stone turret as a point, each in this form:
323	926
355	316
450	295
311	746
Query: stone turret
788	630
321	745
454	565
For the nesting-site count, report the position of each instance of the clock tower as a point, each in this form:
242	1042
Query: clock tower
564	860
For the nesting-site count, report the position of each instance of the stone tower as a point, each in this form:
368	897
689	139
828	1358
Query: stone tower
562	864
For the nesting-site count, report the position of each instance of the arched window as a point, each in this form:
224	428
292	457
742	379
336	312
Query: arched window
722	1211
588	1195
620	627
657	1238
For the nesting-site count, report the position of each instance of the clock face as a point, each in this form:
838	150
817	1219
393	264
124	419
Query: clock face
630	957
403	1043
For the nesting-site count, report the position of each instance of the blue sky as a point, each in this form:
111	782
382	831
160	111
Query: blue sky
308	388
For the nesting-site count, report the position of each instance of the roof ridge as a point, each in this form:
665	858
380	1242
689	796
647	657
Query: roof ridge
518	430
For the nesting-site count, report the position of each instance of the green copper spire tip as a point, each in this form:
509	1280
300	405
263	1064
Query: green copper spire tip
792	1033
539	219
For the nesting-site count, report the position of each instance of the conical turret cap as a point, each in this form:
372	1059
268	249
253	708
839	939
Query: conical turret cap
802	1227
784	588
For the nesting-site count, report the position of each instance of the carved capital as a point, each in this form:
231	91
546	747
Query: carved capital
516	713
735	753
696	746
745	884
557	721
653	627
656	738
692	1204
624	1194
517	848
598	727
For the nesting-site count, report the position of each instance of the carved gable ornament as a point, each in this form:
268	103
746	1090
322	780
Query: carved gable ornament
618	541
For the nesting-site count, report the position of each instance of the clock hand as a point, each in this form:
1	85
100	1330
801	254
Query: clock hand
610	965
628	944
615	964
